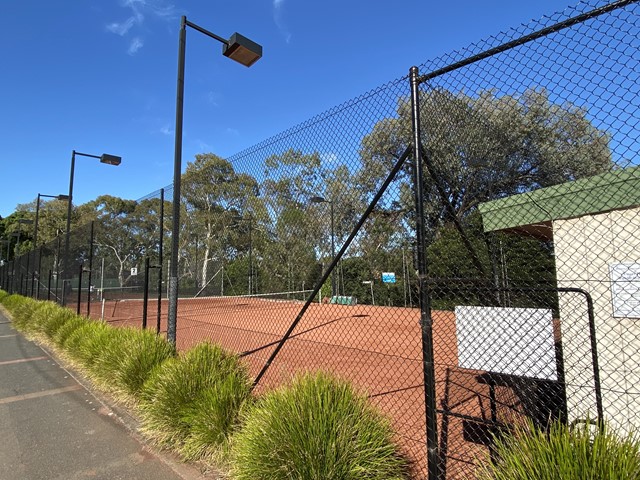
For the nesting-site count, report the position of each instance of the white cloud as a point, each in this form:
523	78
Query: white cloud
123	27
166	130
139	11
136	44
278	18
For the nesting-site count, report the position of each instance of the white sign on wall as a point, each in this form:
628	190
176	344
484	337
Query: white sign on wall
514	341
134	271
625	289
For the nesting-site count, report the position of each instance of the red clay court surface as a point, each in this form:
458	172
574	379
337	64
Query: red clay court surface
378	348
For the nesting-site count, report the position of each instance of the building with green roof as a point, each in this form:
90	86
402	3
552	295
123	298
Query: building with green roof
594	224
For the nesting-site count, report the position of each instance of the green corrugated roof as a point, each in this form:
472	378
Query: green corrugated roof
609	191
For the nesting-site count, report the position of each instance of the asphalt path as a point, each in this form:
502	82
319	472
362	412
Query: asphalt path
53	428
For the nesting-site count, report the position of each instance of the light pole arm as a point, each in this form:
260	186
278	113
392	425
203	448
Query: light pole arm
206	32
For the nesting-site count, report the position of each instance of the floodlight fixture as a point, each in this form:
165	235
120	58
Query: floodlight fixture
242	50
110	159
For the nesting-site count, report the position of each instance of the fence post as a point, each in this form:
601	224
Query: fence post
39	276
160	246
49	286
58	297
90	271
25	292
426	321
79	288
145	301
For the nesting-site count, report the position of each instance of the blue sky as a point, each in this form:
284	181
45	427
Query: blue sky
99	76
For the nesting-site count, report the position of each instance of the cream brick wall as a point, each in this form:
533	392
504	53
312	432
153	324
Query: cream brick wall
585	247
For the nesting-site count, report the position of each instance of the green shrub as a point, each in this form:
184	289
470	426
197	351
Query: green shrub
3	295
102	369
42	314
318	428
22	309
53	317
128	357
11	301
192	401
562	453
213	418
85	343
67	329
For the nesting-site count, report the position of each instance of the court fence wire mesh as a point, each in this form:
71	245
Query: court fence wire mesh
460	243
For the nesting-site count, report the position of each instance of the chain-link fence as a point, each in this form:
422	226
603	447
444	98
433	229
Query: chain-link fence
530	153
495	281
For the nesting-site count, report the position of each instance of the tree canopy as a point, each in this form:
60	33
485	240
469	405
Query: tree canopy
483	147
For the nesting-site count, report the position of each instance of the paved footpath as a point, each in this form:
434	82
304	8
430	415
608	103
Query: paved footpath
52	428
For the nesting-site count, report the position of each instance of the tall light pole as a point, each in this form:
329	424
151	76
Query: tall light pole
35	227
333	242
243	51
104	158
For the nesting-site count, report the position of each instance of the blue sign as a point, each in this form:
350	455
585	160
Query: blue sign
388	277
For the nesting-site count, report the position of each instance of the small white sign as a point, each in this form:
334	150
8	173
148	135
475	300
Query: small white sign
514	341
134	271
625	289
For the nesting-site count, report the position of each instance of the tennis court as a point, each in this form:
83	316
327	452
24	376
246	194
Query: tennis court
376	347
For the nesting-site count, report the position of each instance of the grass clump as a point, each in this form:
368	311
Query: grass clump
192	402
128	357
11	301
563	453
65	330
22	309
85	343
318	428
50	317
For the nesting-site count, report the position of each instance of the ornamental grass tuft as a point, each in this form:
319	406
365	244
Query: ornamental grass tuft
50	317
22	309
564	453
86	343
65	330
192	401
317	428
128	357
